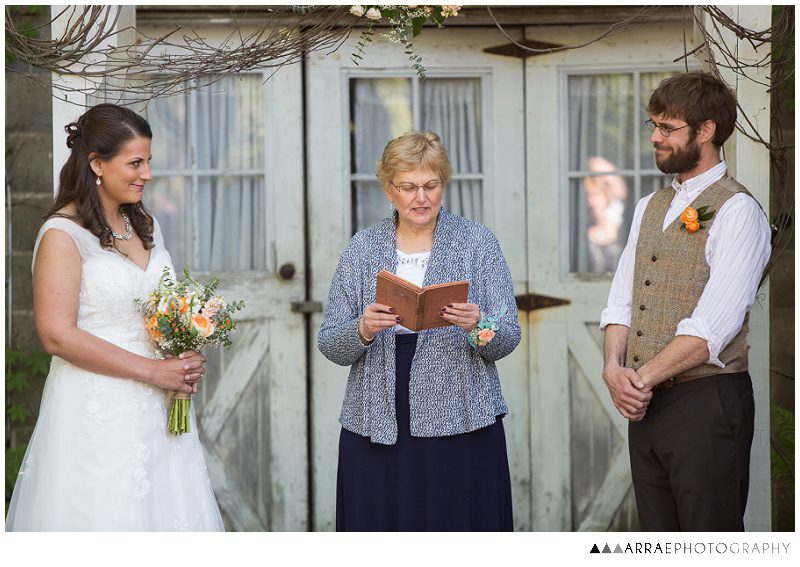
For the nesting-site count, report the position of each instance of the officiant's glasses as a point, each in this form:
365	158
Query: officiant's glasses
409	189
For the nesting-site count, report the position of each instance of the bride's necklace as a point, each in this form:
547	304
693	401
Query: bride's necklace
128	228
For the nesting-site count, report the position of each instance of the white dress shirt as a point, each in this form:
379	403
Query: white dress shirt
737	249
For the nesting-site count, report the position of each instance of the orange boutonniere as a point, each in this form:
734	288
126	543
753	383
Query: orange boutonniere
692	218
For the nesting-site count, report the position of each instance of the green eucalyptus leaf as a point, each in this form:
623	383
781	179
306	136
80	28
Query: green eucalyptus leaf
417	25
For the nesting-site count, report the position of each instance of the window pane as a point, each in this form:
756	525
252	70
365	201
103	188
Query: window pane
371	204
380	109
230	123
601	208
168	118
648	83
231	227
465	198
167	198
601	120
452	109
652	183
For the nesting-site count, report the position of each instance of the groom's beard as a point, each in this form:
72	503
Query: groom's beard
679	161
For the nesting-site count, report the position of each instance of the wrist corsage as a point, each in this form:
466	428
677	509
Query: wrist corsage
484	331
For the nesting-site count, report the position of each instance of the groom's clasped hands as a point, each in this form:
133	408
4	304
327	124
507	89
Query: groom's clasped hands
628	391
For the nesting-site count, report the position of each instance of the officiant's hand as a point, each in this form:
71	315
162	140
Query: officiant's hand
464	315
628	392
377	317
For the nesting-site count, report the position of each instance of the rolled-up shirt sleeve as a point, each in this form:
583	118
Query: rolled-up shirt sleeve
618	308
737	251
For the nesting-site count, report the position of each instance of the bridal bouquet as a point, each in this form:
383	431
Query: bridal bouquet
182	314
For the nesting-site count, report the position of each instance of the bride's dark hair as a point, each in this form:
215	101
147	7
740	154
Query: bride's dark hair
101	132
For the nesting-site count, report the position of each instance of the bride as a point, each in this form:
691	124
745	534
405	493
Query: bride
100	457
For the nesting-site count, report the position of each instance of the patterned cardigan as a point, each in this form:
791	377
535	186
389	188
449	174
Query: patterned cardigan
453	388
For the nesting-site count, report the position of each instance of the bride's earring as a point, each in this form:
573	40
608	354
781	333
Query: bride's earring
97	182
391	205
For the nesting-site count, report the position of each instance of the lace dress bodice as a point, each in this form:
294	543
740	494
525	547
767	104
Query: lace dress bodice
110	284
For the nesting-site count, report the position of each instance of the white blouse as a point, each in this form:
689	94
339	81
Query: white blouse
411	267
737	249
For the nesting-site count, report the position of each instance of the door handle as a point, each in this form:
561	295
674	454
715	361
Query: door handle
286	271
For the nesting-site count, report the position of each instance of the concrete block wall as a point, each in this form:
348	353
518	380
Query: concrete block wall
29	181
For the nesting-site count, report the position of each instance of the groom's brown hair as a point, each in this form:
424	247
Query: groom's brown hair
696	97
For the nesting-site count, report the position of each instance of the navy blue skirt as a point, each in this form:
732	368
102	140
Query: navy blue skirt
455	483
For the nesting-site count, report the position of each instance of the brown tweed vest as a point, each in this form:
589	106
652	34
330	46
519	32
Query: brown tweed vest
669	276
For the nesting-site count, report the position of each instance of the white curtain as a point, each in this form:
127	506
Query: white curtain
381	109
452	109
602	121
221	220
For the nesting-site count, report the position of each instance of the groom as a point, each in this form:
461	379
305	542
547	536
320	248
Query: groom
676	322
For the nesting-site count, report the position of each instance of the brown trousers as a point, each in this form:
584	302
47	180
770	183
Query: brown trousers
690	455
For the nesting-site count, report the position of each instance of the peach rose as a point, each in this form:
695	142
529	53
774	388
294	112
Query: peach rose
484	336
203	325
151	328
692	227
689	215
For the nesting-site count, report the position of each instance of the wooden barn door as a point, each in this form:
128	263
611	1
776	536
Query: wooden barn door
228	192
352	113
587	177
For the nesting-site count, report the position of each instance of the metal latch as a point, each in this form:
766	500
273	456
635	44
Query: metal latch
533	301
306	306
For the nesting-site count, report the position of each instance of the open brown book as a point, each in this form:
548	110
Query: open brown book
418	307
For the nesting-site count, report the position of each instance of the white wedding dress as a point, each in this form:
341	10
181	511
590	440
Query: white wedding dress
100	458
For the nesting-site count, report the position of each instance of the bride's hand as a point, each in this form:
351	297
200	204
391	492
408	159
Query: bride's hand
180	373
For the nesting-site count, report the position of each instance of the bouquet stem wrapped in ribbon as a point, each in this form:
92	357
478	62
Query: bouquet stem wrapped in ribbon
182	314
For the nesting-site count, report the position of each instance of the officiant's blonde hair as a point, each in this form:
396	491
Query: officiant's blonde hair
411	150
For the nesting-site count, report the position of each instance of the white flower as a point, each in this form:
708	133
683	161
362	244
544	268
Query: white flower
357	11
213	306
373	14
162	305
450	10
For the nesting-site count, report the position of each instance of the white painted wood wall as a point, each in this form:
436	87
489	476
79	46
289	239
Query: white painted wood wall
749	164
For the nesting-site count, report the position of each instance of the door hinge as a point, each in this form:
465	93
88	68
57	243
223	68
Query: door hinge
306	306
533	301
513	50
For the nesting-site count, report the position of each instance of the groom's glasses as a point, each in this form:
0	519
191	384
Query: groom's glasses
409	189
663	128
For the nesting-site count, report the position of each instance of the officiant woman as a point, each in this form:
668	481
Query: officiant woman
422	445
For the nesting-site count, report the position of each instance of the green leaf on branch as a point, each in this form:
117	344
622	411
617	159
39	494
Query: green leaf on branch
417	25
18	414
16	382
